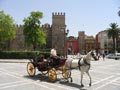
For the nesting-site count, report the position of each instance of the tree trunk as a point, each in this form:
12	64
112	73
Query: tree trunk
114	45
34	47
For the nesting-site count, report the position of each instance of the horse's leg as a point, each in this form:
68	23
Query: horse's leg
89	78
82	79
69	76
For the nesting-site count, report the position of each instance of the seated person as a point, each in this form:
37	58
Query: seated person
54	56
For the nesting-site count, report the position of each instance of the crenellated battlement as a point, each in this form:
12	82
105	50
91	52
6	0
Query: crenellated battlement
19	26
58	14
46	25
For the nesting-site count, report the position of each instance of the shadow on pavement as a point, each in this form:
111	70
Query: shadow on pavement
73	85
40	77
44	78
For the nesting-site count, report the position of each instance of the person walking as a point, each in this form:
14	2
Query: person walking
103	56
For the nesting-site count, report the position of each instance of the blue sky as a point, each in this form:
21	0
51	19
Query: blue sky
90	16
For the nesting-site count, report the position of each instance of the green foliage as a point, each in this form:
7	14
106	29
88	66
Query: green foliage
7	28
33	33
113	32
22	54
71	37
119	13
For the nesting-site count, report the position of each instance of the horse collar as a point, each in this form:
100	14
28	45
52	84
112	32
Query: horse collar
85	62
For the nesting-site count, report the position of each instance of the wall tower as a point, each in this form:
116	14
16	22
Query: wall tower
81	41
58	31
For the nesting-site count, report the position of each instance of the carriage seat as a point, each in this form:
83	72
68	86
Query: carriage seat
42	61
55	60
42	65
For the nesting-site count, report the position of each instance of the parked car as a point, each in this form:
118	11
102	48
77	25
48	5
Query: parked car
115	56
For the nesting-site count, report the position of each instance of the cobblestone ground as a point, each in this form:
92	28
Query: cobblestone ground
105	76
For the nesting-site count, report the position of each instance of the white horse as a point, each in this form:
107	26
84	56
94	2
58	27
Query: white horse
83	63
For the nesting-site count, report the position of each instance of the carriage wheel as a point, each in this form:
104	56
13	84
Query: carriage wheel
52	76
31	69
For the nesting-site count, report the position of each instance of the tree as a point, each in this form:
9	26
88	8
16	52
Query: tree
113	32
33	33
119	13
71	37
7	28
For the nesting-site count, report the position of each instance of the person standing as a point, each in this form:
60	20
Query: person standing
103	56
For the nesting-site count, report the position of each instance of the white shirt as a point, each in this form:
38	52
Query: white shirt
53	52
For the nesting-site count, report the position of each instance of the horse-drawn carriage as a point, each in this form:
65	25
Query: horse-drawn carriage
48	66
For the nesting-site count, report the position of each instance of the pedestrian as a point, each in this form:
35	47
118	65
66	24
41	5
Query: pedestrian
98	56
103	56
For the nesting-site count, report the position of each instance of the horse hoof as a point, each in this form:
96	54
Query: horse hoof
71	80
90	84
82	85
67	81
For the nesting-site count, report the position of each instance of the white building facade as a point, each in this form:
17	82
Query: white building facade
105	43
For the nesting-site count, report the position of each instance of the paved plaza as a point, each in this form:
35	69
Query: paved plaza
105	76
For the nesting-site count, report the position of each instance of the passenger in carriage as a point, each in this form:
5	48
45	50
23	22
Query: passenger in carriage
54	56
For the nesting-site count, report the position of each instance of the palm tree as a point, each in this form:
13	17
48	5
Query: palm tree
113	32
119	13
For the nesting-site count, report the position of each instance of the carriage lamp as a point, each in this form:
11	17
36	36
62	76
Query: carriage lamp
65	52
67	32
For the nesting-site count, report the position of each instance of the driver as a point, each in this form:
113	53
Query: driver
54	56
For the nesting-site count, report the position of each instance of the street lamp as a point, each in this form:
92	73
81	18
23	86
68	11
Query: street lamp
65	33
65	47
63	41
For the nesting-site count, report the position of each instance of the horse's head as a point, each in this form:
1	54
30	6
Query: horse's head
92	54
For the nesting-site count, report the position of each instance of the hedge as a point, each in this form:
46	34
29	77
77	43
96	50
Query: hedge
22	54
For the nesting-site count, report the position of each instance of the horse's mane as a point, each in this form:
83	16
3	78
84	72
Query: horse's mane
88	56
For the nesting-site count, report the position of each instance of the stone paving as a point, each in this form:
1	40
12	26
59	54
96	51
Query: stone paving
105	76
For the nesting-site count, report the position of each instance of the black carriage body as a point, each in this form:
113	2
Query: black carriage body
41	65
53	63
46	64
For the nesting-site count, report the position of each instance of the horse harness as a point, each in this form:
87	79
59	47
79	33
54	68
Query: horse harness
84	63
